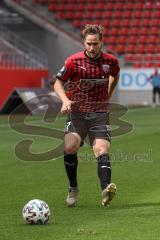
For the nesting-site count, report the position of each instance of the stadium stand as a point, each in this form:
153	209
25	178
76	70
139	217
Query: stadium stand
22	65
132	27
15	52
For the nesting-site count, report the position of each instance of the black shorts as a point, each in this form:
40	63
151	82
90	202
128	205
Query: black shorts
156	90
95	125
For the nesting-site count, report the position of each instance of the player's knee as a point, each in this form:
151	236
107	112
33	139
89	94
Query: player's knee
71	144
100	148
71	148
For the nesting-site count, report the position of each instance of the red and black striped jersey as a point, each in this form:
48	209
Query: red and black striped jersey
88	80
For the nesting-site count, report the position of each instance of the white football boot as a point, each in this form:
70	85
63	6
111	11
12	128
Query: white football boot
72	196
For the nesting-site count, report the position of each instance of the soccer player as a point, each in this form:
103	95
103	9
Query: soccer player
155	81
85	84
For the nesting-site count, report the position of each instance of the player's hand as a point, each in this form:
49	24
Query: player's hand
66	106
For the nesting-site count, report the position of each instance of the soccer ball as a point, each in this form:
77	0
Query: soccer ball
36	212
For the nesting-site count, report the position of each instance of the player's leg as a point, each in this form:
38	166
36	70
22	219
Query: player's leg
101	151
100	139
74	135
154	97
72	143
159	94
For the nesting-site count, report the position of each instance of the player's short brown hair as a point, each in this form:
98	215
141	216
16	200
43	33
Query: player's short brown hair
93	29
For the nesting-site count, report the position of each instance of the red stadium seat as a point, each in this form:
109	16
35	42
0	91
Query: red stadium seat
100	5
121	40
119	6
135	22
124	30
118	14
137	14
78	15
147	64
112	39
60	14
137	57
107	14
147	14
154	30
109	5
115	22
138	5
106	23
152	39
132	39
68	15
156	64
113	31
130	48
127	14
128	57
52	6
145	22
120	48
125	23
156	13
143	31
140	48
97	14
110	47
133	31
155	22
77	23
149	57
150	48
141	39
87	14
157	57
138	64
70	7
129	5
157	49
89	7
60	7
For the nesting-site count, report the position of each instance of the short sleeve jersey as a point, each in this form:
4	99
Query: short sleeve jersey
86	80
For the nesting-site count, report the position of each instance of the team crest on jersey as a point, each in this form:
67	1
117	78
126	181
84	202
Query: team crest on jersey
105	68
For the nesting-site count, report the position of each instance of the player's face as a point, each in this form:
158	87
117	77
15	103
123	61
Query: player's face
92	45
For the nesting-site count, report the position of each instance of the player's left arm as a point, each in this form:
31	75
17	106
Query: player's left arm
113	81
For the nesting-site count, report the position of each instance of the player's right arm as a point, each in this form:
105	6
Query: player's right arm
62	76
59	89
150	79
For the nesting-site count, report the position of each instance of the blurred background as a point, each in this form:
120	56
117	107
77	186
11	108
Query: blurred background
36	36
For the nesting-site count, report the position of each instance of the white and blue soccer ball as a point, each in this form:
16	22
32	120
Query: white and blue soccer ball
36	211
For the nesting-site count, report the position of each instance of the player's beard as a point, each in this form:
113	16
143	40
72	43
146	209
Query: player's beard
93	55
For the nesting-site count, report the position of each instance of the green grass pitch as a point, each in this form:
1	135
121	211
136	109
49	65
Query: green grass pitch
135	211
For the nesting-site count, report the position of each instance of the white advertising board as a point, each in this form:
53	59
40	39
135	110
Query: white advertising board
135	79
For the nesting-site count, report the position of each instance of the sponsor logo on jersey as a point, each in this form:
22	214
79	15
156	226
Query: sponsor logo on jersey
83	68
94	80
